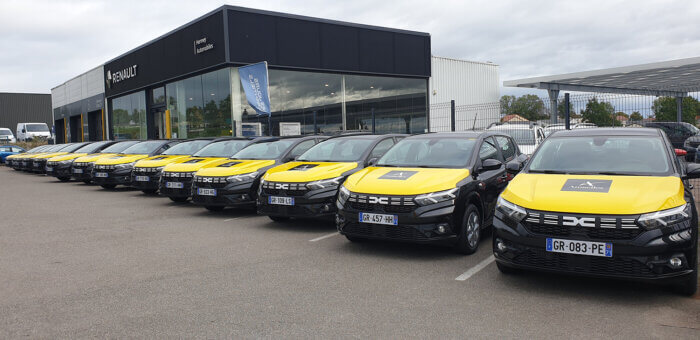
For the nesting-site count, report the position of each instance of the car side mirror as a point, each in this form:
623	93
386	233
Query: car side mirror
681	152
692	170
24	131
372	161
514	166
490	164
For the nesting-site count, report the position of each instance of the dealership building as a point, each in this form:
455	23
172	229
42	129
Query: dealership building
324	76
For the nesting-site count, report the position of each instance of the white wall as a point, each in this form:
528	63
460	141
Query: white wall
86	85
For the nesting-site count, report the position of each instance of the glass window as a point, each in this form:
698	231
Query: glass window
5	149
143	148
642	155
158	95
337	150
5	132
222	149
16	149
429	152
269	150
118	147
507	147
37	127
520	135
90	148
129	116
301	148
187	147
382	148
488	150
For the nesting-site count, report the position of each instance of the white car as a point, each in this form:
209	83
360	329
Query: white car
27	131
6	136
528	136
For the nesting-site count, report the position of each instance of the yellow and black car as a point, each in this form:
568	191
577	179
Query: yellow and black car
24	162
176	178
146	173
12	160
611	203
430	188
39	161
60	166
109	172
81	170
235	182
309	186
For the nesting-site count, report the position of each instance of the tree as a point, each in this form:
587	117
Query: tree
529	106
599	113
636	116
665	109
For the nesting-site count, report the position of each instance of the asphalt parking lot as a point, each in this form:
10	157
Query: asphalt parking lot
80	261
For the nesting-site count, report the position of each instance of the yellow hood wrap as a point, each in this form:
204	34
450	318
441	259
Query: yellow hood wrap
308	171
94	157
404	181
120	159
237	167
195	163
49	155
160	160
66	157
627	195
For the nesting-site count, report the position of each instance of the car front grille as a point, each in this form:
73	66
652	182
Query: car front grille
210	182
601	227
384	231
380	203
582	264
179	176
283	188
104	167
146	171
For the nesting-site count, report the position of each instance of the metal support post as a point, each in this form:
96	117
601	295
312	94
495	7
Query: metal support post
567	113
553	96
452	115
679	109
373	120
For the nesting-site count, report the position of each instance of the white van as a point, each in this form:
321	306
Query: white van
6	136
26	131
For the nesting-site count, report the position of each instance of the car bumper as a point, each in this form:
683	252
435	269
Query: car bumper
59	171
113	178
314	203
151	184
38	167
227	195
185	191
643	257
84	174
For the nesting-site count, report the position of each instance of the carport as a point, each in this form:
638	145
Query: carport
674	78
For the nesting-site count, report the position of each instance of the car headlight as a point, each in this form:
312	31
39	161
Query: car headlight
343	194
124	166
242	178
325	183
659	219
436	197
513	211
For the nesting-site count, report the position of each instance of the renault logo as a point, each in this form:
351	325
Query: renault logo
574	221
378	200
282	186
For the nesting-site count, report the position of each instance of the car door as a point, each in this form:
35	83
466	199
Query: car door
492	182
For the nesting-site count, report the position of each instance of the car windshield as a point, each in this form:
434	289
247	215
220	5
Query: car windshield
143	148
337	150
90	148
222	149
5	132
521	136
37	128
268	150
430	153
72	147
606	155
118	147
187	147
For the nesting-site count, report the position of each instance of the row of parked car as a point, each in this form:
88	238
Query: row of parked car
612	203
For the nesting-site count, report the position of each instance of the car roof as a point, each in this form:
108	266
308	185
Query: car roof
608	132
367	136
461	134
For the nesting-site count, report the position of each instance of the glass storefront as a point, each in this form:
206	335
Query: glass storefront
129	116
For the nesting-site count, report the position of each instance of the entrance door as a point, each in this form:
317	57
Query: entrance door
59	131
156	122
75	129
95	125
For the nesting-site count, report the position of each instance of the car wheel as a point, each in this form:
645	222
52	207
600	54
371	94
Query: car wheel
689	285
355	239
279	218
63	179
214	207
504	269
470	231
149	191
178	199
108	186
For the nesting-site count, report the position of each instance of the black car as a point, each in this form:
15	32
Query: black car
681	134
430	188
116	170
39	162
60	166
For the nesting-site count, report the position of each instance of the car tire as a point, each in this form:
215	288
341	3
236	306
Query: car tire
108	186
504	269
214	207
279	218
470	231
178	199
689	285
63	179
355	239
149	191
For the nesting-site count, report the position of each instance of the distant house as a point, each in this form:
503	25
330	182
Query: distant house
622	119
513	119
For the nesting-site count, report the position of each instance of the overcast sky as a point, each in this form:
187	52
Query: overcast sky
45	43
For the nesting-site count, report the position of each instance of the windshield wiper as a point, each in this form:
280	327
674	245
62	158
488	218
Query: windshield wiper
558	172
613	173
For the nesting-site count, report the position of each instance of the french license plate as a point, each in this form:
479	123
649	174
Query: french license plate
277	200
379	219
36	164
206	192
77	171
176	185
48	168
23	163
101	174
602	249
142	178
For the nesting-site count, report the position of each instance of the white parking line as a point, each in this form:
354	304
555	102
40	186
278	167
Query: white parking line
469	273
324	237
236	218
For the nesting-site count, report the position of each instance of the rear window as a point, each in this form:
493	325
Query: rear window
5	132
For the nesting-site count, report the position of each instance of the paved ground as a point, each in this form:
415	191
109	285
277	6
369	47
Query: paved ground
79	261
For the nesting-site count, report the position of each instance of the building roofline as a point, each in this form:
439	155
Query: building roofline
466	61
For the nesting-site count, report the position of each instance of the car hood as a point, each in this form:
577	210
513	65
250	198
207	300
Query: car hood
404	181
308	171
611	195
235	167
119	159
194	163
94	157
66	157
160	160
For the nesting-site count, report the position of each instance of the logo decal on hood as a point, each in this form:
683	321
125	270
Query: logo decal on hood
303	167
398	175
159	158
117	157
191	161
228	165
587	185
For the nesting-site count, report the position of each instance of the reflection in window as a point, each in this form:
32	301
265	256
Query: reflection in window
129	116
158	95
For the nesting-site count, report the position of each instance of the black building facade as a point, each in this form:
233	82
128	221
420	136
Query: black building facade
324	75
24	108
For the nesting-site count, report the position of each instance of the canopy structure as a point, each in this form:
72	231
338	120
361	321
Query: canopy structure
674	78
